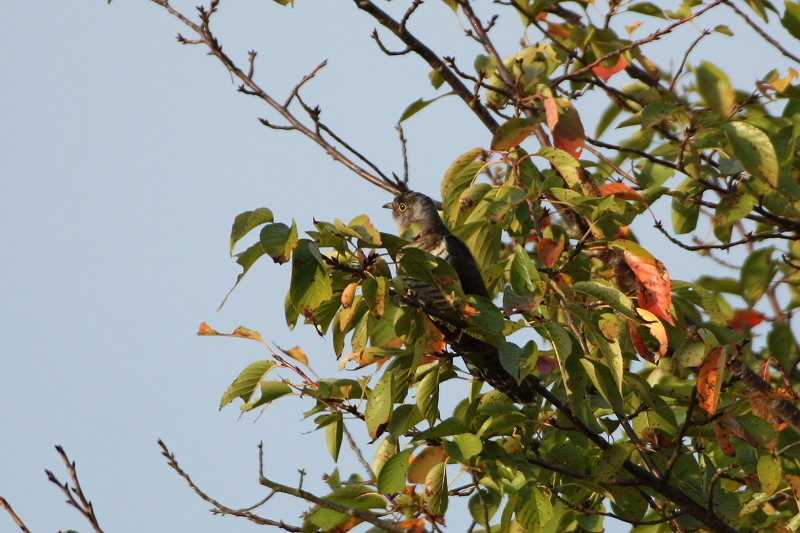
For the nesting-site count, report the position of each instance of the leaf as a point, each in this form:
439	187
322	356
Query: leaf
246	221
744	319
376	294
246	382
205	329
278	241
715	88
523	271
651	276
392	477
685	211
654	113
610	296
753	148
422	464
483	505
769	473
565	163
611	460
657	331
709	380
756	275
794	484
791	18
512	132
565	125
445	428
414	525
722	432
296	353
379	406
310	285
463	447
419	105
333	437
435	494
620	190
365	230
550	250
647	8
603	72
428	396
518	362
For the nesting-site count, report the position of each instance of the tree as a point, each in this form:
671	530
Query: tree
629	394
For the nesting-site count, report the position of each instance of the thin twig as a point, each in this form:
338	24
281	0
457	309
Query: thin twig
685	57
404	151
218	507
764	35
359	455
84	506
5	505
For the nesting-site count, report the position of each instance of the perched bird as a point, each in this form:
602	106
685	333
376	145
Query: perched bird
482	359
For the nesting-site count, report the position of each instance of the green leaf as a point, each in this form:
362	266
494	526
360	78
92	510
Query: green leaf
379	406
523	272
769	473
428	396
365	230
436	490
610	296
791	18
690	355
246	221
518	362
757	273
445	428
419	105
566	165
654	113
499	424
310	285
436	79
647	8
512	132
715	88
483	505
612	458
333	436
392	477
559	338
245	383
463	447
376	294
753	148
685	212
278	241
270	390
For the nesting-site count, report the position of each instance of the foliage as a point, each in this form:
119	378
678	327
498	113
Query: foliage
650	402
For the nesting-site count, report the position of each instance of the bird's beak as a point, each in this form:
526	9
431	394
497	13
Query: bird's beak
388	206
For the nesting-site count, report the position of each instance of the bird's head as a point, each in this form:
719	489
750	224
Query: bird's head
410	208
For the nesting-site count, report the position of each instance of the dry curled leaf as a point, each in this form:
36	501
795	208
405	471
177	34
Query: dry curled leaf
709	380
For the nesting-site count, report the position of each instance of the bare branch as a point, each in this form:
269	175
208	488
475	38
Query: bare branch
83	505
218	507
404	151
685	57
764	35
5	505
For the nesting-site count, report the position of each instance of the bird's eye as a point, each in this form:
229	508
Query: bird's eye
401	207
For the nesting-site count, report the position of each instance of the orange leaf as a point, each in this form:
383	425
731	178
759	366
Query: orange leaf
415	525
653	279
205	329
656	329
565	125
549	250
347	526
435	339
603	72
348	294
722	431
558	30
424	461
620	190
743	319
246	333
709	380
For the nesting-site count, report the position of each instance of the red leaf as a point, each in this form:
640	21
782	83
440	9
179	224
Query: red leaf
709	380
549	250
620	190
653	279
603	72
545	365
743	319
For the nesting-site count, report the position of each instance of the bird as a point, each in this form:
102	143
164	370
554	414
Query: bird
482	359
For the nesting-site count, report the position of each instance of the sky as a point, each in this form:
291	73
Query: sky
124	158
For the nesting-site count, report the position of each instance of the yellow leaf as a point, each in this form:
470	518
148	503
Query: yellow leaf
297	353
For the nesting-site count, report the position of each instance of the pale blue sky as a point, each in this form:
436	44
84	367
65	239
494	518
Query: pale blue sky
124	158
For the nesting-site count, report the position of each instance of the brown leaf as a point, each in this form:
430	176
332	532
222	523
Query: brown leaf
546	364
794	484
424	461
347	526
565	125
549	250
709	380
722	431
